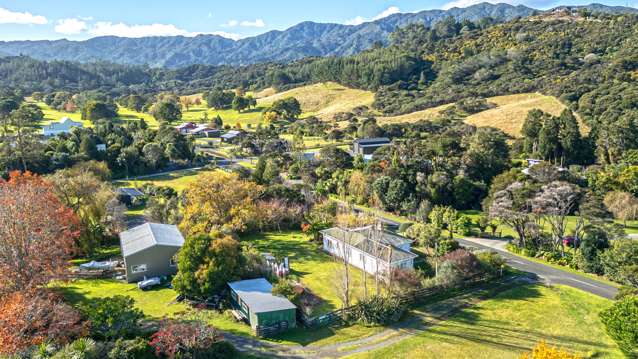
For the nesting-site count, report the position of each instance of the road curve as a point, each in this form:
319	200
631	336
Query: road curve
549	274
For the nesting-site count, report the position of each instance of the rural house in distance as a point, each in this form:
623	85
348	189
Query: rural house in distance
64	126
367	146
369	249
149	250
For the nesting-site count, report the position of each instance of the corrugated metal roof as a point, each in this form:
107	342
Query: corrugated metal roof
379	244
133	192
149	235
257	294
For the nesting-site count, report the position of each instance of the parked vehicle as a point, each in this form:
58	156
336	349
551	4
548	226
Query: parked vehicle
149	283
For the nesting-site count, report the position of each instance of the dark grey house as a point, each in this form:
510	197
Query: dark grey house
367	146
128	195
149	250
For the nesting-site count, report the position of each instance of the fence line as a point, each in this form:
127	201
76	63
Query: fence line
407	299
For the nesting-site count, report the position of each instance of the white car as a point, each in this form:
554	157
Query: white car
149	283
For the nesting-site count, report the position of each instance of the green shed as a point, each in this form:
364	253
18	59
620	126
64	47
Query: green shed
254	300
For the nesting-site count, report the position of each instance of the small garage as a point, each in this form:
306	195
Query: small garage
254	300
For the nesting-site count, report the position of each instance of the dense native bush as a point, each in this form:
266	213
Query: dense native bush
112	317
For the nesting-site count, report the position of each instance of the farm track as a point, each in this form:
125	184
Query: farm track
419	320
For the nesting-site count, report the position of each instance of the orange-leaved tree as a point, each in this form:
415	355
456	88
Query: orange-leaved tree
217	201
29	318
37	233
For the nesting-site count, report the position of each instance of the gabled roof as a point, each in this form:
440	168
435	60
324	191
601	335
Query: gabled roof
149	235
185	125
133	192
257	294
202	128
378	244
231	134
372	141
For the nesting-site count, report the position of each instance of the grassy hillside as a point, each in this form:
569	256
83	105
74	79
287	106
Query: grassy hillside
324	100
428	114
512	323
508	115
511	111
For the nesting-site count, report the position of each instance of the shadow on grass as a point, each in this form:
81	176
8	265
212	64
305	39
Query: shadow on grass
469	325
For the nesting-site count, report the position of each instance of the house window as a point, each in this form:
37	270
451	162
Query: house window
140	268
361	257
173	262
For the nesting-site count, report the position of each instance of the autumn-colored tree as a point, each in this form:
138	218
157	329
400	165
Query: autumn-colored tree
29	318
190	340
544	351
219	201
37	233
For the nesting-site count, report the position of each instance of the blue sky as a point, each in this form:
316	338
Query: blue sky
82	19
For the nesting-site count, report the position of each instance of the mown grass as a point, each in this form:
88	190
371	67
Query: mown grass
510	324
315	269
53	115
178	180
155	304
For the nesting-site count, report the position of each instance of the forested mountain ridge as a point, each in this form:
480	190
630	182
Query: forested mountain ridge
302	40
588	61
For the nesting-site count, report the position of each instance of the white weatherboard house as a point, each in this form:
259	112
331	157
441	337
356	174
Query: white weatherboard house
369	249
64	126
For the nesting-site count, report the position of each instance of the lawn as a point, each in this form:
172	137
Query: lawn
316	269
246	119
177	180
156	304
124	114
53	115
511	323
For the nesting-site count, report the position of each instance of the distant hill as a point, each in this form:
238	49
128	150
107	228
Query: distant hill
302	40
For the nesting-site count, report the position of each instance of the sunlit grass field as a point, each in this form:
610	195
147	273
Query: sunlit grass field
510	324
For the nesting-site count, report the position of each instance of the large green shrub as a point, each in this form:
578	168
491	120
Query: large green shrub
378	310
448	275
491	262
620	262
112	317
621	323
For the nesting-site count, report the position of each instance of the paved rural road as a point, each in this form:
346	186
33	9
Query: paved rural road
545	272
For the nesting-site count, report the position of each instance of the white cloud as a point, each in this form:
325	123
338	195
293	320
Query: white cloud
11	17
385	13
256	23
466	3
70	26
245	23
104	28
